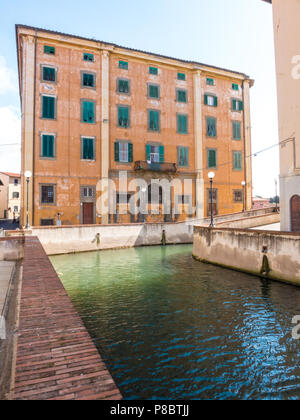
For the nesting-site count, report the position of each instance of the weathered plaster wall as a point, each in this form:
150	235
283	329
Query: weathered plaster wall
11	249
243	250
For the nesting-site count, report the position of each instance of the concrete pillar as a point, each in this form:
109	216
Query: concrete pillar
198	145
105	158
28	45
247	142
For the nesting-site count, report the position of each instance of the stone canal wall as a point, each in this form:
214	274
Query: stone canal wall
11	249
273	255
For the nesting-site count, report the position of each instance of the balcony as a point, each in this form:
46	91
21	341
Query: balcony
142	165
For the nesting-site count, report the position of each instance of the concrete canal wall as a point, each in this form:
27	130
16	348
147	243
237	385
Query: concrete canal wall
273	255
11	249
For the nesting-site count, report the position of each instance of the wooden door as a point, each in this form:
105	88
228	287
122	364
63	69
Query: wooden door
88	213
295	213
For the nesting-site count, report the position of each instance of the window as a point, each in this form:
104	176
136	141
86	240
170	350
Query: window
182	124
123	65
153	120
237	161
49	74
123	116
87	192
153	91
211	127
237	105
181	96
49	50
183	156
16	181
238	196
88	57
181	76
16	209
47	148
123	152
235	86
88	148
210	82
47	194
210	100
88	112
212	196
47	222
88	80
236	130
211	158
123	86
16	195
153	70
48	108
155	153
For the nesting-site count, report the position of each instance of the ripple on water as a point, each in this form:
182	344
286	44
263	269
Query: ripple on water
169	327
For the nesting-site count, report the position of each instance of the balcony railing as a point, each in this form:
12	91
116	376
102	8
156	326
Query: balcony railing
142	165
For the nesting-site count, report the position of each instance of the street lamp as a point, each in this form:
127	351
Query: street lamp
27	175
211	176
244	194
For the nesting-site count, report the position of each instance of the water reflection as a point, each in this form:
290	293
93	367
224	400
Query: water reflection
169	327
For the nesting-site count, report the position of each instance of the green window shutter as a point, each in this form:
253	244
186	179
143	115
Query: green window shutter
205	100
123	116
236	127
235	86
153	70
237	161
182	124
161	154
49	74
123	86
117	152
234	103
183	156
49	50
241	106
88	112
153	91
48	107
154	121
210	82
181	76
88	80
88	57
211	127
47	146
85	148
148	152
181	96
212	159
88	149
215	101
130	152
123	65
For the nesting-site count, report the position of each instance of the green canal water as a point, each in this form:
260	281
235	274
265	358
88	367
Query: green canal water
169	327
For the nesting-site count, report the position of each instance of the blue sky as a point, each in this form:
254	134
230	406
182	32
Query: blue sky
235	34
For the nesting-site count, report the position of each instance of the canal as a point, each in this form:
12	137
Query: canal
169	327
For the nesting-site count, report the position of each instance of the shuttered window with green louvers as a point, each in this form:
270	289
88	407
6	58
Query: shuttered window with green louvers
49	50
181	96
237	161
183	157
236	130
88	112
211	127
123	86
237	105
47	146
88	149
182	124
48	74
123	116
153	120
123	152
211	158
210	100
153	91
88	80
48	111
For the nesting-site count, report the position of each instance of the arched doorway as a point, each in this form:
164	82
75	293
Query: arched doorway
295	213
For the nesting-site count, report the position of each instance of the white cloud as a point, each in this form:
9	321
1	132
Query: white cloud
10	139
8	78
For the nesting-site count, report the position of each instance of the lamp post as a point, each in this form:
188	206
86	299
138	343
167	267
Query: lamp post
27	175
211	176
244	194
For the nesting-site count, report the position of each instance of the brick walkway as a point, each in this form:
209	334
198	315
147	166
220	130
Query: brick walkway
56	358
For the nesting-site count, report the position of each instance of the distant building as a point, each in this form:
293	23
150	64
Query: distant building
93	110
261	203
10	195
286	16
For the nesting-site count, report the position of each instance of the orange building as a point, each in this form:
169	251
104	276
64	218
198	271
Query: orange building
96	111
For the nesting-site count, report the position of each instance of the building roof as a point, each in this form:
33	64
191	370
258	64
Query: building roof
10	174
112	45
